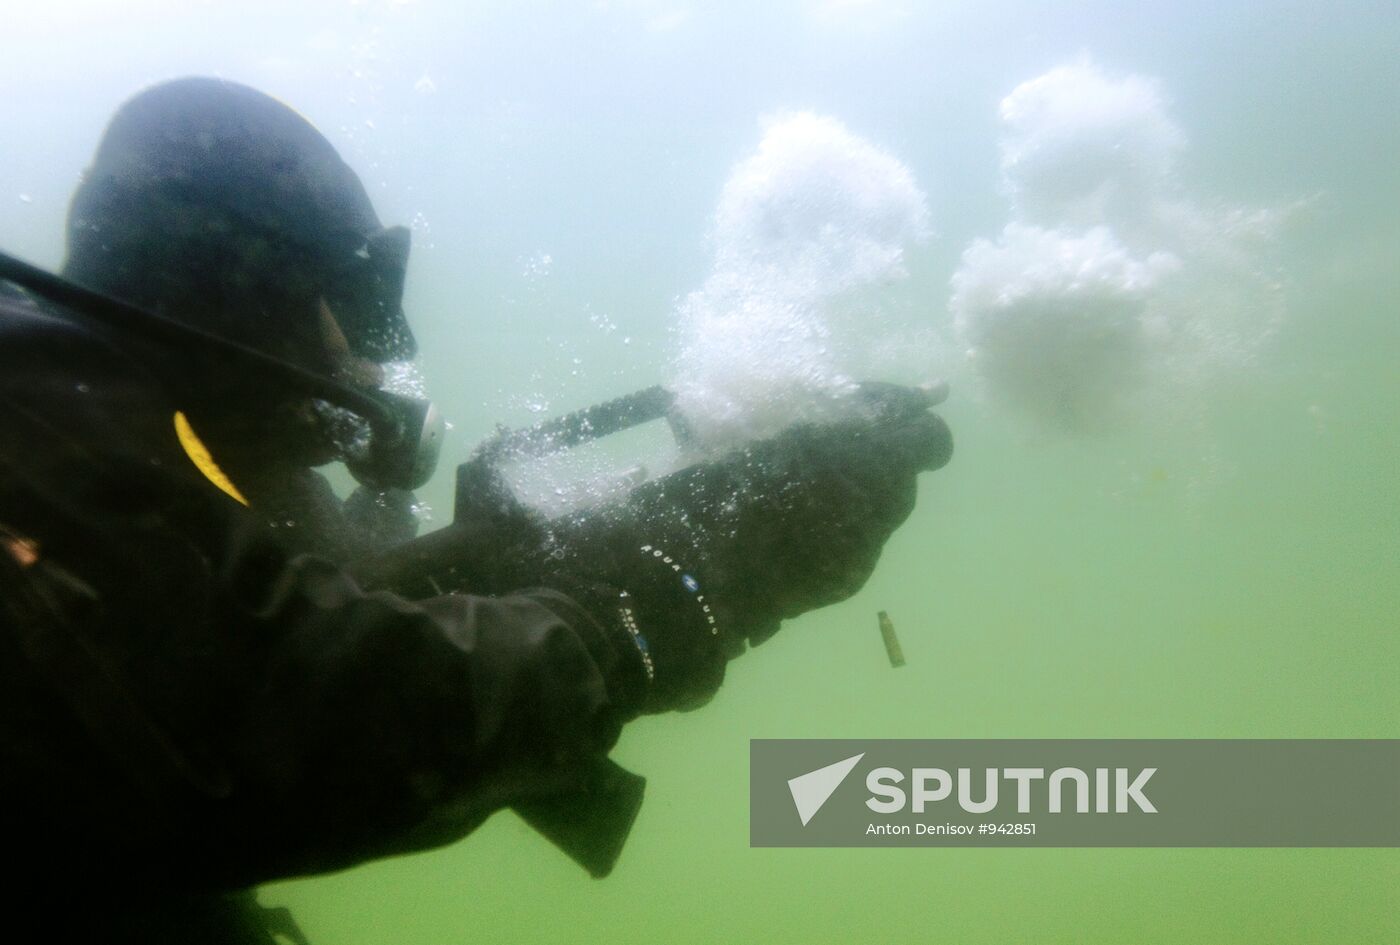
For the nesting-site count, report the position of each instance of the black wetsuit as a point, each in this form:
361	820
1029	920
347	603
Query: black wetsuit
194	698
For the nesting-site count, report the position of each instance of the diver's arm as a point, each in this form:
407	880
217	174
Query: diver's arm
292	722
379	726
328	726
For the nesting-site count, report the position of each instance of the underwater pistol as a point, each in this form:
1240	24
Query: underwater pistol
488	517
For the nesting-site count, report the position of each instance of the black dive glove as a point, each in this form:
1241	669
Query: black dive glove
718	554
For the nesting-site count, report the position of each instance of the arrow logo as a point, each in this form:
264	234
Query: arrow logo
811	790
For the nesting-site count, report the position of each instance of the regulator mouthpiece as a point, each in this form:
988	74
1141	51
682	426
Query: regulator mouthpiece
402	455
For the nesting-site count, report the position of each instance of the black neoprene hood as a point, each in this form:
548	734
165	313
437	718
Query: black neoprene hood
223	207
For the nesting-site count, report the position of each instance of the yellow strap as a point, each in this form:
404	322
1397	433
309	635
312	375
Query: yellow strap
199	455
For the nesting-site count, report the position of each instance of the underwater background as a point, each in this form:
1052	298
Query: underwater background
1203	198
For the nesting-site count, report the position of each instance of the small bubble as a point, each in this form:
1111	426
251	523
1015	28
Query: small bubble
25	198
83	388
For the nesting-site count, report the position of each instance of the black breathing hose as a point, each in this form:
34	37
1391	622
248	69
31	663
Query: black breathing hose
127	317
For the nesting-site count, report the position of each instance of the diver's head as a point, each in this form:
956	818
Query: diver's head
216	205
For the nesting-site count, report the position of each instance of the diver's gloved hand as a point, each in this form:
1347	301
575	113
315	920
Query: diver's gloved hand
814	506
719	554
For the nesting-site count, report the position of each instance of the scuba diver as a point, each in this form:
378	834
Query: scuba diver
205	688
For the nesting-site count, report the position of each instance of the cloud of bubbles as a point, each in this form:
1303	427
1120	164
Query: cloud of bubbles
1079	148
1057	318
1111	293
808	230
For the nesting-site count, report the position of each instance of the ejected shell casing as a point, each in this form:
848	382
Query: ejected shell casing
892	648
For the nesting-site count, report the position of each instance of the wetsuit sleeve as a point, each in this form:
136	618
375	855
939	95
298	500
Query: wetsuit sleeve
289	721
380	726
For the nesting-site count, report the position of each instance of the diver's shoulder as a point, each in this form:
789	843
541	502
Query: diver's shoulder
24	315
47	348
31	326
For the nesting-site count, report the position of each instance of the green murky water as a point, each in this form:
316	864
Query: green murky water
1232	571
